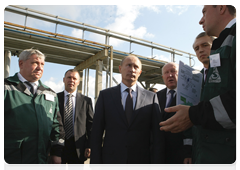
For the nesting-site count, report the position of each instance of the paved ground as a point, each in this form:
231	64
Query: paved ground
86	165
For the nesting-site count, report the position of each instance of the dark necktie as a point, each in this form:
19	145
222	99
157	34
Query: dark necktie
206	71
171	98
30	85
129	105
69	117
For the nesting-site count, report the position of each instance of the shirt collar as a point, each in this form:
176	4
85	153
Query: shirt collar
233	21
22	79
170	89
74	93
124	87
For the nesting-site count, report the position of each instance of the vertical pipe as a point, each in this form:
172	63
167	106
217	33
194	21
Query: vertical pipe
130	47
7	61
111	65
190	64
80	84
98	80
83	34
25	22
152	52
84	89
87	80
107	42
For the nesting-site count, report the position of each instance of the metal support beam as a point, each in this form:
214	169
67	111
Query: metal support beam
7	61
190	64
157	79
111	66
108	73
153	85
87	80
92	60
81	79
147	85
142	84
98	80
156	70
84	87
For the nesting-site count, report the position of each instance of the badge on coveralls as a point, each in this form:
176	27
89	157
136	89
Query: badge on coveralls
215	60
49	97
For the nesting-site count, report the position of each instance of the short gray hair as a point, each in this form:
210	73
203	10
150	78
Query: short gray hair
27	53
172	63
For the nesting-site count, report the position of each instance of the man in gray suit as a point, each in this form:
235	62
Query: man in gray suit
129	115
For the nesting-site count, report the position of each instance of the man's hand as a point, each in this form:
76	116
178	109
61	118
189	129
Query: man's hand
187	163
97	168
178	122
87	152
55	159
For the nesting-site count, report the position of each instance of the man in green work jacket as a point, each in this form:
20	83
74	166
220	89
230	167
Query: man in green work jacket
215	115
32	122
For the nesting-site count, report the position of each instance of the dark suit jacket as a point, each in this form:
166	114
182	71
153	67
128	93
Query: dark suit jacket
175	151
125	143
83	122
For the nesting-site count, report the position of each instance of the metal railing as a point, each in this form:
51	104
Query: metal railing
90	28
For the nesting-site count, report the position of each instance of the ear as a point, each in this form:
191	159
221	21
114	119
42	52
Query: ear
20	63
78	82
140	72
222	9
63	79
119	68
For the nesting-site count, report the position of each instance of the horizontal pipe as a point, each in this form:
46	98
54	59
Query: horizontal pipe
107	31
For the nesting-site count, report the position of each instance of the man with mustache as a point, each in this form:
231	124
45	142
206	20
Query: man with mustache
128	114
32	122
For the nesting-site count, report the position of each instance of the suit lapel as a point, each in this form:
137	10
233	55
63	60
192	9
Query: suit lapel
116	95
78	104
163	99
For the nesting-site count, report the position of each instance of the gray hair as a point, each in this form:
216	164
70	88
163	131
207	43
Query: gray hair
27	53
172	63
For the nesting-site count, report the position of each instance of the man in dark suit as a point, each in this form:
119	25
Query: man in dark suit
177	146
129	118
77	117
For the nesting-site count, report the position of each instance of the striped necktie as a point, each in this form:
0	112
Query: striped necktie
69	117
30	85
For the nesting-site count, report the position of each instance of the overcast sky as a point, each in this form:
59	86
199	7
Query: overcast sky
174	26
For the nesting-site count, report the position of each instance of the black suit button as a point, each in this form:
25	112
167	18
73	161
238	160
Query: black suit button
206	137
227	139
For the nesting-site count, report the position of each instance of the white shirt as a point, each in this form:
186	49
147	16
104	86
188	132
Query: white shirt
168	95
73	102
34	84
124	94
205	73
233	21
